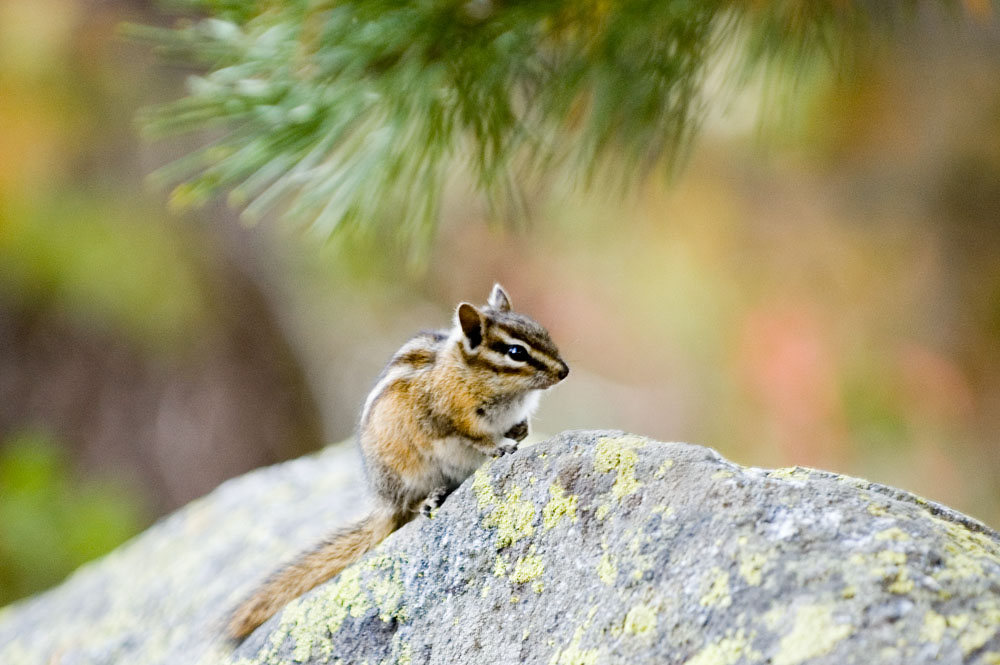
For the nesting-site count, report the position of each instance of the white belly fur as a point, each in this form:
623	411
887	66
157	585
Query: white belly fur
456	460
515	413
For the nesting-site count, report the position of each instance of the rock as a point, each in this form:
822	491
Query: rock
592	547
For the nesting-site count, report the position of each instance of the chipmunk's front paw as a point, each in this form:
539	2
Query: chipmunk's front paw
518	432
505	447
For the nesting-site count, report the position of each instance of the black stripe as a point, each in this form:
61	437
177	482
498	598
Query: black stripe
501	348
536	363
533	335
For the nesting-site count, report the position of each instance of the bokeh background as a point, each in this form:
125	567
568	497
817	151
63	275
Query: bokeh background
821	286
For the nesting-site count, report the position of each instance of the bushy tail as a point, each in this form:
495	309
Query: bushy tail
314	567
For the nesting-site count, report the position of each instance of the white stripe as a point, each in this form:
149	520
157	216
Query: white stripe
391	376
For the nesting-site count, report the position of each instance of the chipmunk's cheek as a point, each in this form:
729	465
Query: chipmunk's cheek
543	381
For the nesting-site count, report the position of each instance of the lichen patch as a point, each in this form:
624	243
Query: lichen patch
572	654
561	505
813	634
640	621
619	455
718	591
975	629
933	627
789	473
967	552
512	517
527	568
752	568
894	534
663	468
311	622
607	570
727	651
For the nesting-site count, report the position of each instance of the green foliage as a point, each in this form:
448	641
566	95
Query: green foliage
91	259
357	114
51	522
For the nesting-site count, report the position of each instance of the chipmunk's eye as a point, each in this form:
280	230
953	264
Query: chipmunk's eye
517	352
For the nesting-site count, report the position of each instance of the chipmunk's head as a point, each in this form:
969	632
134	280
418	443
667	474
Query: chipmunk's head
516	349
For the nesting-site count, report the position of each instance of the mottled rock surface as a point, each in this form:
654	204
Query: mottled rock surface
592	547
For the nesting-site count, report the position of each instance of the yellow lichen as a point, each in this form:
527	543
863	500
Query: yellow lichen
958	621
813	634
353	594
965	552
607	571
878	510
718	592
405	656
662	509
512	517
727	651
640	621
663	468
718	475
641	563
500	565
483	488
902	583
888	655
789	473
894	571
619	455
602	511
774	617
560	505
933	627
573	654
752	568
345	597
895	534
977	628
527	568
991	658
387	588
891	557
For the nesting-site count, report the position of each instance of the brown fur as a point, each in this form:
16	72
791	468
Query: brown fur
312	568
446	402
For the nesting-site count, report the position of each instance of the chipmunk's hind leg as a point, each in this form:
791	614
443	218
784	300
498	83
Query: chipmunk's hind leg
435	499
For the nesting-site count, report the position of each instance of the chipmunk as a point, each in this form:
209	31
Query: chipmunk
447	401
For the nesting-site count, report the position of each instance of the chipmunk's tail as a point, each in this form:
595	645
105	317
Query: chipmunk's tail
314	567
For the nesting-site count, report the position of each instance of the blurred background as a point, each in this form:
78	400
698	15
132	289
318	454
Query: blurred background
819	287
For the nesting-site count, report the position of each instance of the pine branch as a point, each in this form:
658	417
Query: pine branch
353	115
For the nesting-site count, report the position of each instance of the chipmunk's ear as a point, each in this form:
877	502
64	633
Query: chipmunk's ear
470	320
499	300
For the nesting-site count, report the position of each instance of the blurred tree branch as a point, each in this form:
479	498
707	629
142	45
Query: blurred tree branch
352	116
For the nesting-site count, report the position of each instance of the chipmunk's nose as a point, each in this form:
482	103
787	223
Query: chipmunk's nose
563	371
